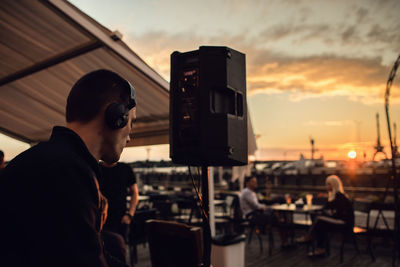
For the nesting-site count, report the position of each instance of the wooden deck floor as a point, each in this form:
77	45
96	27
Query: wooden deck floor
297	256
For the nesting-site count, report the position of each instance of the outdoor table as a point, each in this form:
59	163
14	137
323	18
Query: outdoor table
307	209
141	198
143	201
288	212
144	198
219	202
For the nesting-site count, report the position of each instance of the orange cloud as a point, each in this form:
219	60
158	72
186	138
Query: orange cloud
360	79
329	123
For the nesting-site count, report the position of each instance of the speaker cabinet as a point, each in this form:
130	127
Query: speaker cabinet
208	112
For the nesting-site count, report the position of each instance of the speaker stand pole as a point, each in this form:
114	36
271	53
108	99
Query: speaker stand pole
206	216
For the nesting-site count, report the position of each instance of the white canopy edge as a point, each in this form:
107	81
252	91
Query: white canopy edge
88	25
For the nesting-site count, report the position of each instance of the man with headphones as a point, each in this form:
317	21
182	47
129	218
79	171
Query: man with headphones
51	206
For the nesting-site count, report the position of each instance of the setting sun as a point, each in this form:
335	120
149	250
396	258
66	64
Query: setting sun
352	154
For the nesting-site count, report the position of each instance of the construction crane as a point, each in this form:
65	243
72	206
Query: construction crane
378	147
313	150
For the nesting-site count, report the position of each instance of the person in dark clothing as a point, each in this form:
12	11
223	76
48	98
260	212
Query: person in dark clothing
2	161
52	209
117	182
338	215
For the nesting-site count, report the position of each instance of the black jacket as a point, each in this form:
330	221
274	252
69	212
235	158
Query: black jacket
49	204
342	209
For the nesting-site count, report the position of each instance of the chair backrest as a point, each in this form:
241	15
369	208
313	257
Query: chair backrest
238	213
186	203
174	244
137	233
233	207
229	200
363	207
163	205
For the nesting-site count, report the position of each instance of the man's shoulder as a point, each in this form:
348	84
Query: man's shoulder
57	153
44	168
124	167
127	175
246	192
44	156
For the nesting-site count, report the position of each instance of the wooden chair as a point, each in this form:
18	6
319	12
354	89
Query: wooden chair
174	244
364	207
253	228
233	222
163	205
137	232
225	218
188	212
259	230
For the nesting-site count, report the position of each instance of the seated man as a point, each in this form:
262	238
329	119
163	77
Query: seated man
249	202
260	214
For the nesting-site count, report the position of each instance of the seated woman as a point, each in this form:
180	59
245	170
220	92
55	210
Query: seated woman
338	214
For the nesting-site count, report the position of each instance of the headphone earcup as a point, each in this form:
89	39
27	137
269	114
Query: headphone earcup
116	116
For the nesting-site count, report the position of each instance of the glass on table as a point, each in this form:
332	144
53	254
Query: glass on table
288	199
309	198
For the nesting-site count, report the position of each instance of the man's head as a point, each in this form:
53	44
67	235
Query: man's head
109	99
251	182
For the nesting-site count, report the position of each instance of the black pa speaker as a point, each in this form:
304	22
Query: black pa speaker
208	112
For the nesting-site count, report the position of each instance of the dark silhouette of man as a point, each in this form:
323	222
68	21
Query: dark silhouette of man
2	162
117	182
51	206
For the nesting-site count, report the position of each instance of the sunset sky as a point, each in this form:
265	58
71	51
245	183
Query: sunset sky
314	68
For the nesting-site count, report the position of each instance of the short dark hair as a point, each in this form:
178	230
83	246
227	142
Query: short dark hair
93	91
247	179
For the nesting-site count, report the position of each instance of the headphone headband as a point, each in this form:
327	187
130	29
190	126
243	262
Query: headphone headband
132	97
